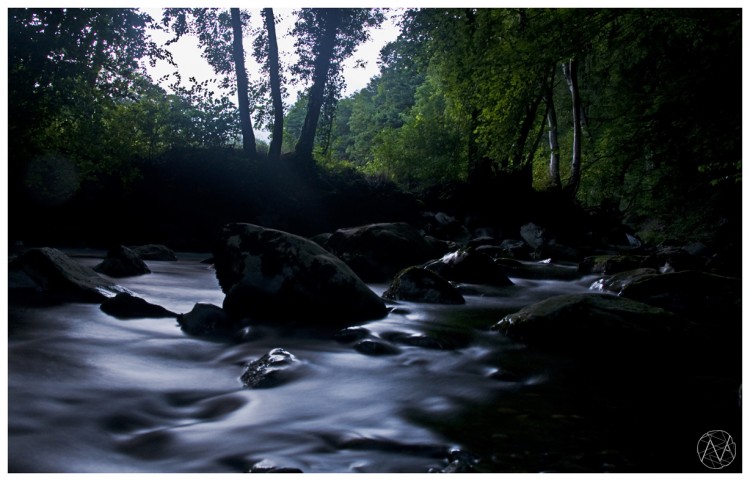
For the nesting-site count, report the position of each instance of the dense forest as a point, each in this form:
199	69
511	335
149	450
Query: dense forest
496	116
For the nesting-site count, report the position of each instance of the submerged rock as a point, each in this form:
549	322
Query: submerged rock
122	262
373	347
47	274
126	306
273	275
273	369
417	284
470	267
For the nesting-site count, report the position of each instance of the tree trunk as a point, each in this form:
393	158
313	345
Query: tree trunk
554	146
571	77
277	136
304	148
243	101
525	130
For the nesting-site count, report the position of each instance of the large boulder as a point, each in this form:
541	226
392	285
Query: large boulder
47	274
593	323
417	284
273	275
122	262
377	252
471	267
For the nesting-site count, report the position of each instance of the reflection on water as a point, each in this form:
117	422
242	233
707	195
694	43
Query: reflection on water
91	393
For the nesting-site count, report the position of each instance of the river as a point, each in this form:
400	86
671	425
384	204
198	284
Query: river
92	393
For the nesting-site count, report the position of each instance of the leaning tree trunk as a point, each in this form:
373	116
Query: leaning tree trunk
274	151
243	101
326	46
571	77
523	134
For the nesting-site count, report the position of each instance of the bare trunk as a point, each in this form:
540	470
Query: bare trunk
554	146
571	77
274	151
243	101
306	142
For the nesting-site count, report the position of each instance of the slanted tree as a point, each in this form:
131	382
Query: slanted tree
219	33
243	100
326	37
570	70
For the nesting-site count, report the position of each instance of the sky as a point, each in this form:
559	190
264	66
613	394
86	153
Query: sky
190	63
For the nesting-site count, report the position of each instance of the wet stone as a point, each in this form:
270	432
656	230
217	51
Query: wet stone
266	466
271	370
122	262
503	375
375	348
206	320
126	306
351	334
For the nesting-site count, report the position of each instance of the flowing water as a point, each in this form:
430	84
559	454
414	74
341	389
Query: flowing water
92	393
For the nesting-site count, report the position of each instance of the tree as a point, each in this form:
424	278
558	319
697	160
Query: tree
325	41
277	136
570	70
326	37
243	101
554	145
219	35
68	67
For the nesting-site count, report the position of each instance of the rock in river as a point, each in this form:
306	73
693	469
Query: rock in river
273	275
48	274
593	323
126	306
470	267
207	320
274	368
155	252
376	252
421	285
122	262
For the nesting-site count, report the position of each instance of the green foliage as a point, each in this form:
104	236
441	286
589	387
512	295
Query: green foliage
462	94
427	149
105	116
